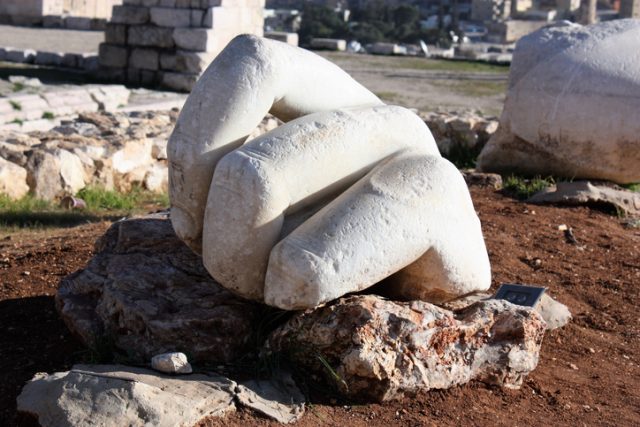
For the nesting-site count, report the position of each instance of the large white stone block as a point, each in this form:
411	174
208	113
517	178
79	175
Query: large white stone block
572	105
186	61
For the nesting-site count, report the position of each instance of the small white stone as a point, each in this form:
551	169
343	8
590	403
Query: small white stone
171	363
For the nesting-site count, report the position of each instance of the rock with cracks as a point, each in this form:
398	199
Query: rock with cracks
373	349
146	293
113	396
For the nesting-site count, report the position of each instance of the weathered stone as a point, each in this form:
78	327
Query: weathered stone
133	154
279	398
55	173
116	34
20	55
554	313
111	97
483	179
197	39
157	179
146	292
144	59
183	82
146	35
130	15
49	58
115	396
586	193
113	55
13	180
170	17
380	350
171	363
186	61
572	103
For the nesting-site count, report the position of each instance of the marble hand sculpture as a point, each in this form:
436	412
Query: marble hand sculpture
346	193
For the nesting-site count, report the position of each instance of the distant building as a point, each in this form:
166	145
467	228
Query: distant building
34	11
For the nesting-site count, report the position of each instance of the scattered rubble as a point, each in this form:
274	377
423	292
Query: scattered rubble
465	131
109	150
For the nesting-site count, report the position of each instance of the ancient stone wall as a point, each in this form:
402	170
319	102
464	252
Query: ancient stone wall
170	42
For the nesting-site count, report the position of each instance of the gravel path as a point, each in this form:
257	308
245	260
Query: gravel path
48	39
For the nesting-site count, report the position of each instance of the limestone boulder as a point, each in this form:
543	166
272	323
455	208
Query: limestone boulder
147	293
13	180
115	395
53	173
369	348
572	105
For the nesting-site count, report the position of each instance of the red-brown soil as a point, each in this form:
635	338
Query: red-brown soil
588	374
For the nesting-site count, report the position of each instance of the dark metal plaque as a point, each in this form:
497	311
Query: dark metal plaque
520	294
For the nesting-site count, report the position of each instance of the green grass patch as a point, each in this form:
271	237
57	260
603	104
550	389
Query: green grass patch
462	156
632	187
101	205
48	115
475	87
416	63
523	188
17	87
388	96
15	105
100	199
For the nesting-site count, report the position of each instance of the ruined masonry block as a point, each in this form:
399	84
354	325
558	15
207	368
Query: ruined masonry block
129	15
167	3
171	17
146	59
197	16
22	56
116	34
113	56
49	58
186	61
197	39
147	35
70	60
222	18
183	3
178	81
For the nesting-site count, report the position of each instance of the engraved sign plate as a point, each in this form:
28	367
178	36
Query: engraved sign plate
520	294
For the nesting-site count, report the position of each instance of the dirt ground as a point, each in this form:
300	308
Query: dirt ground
428	85
588	372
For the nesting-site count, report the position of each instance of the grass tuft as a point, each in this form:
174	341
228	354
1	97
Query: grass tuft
15	105
48	115
100	199
523	188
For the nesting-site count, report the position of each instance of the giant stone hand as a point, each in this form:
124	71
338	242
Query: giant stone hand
345	194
